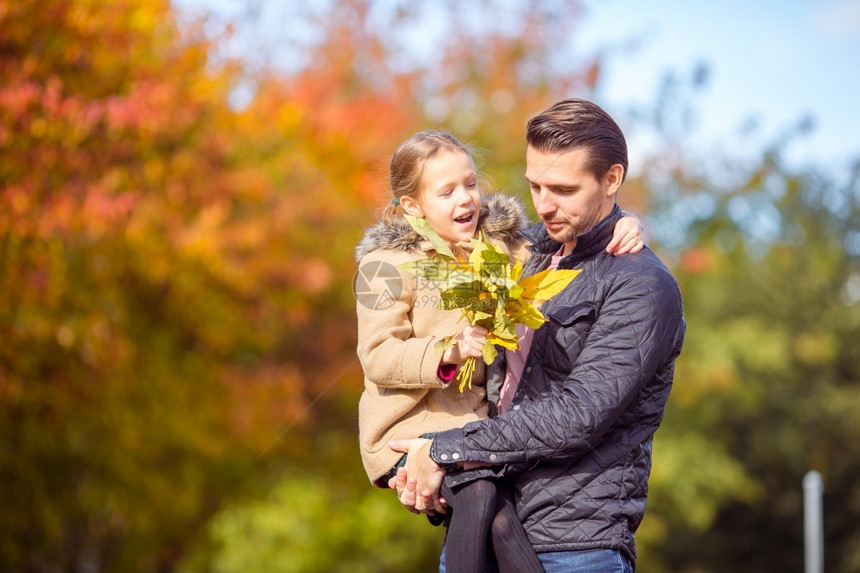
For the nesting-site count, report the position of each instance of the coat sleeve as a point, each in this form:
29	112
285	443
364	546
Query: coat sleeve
638	330
390	355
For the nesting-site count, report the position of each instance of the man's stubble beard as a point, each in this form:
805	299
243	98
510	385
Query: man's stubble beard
568	235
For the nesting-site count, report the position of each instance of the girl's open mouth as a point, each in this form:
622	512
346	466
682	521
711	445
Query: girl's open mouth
466	219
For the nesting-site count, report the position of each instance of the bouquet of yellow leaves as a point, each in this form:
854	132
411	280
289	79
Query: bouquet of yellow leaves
489	291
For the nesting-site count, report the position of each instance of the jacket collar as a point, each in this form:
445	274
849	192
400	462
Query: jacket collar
501	219
588	244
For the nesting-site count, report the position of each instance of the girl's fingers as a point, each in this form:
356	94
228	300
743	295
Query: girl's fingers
631	244
612	245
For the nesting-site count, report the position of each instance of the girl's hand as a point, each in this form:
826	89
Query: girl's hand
469	344
627	237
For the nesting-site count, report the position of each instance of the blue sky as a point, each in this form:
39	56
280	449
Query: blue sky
775	61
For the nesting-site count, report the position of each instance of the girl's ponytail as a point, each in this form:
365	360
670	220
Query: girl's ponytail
390	211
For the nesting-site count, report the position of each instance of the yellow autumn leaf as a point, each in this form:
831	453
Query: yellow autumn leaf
509	343
546	284
475	259
489	351
523	312
464	376
516	271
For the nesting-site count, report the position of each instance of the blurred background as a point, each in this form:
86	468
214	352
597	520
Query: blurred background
182	187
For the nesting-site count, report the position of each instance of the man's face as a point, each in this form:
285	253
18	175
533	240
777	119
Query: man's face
567	196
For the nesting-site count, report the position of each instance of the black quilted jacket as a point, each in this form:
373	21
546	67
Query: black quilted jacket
577	442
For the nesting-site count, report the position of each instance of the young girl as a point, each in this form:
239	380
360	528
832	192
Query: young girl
407	392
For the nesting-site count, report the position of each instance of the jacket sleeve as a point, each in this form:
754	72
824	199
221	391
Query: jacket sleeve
637	331
390	355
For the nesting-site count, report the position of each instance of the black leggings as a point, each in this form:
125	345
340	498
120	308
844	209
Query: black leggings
485	533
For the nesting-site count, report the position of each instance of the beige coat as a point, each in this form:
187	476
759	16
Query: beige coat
398	328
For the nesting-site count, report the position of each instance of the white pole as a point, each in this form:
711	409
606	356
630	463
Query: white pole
813	535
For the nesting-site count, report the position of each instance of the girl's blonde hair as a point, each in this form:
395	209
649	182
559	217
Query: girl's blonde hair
407	164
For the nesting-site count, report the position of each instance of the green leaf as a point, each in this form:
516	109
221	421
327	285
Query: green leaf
480	318
482	315
423	228
433	269
459	277
502	284
444	345
465	295
502	324
493	262
515	291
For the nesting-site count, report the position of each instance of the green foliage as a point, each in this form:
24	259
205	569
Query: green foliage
768	377
308	524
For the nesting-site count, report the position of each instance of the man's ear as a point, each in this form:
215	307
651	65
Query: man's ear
613	179
411	206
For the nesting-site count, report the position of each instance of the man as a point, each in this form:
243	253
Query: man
582	399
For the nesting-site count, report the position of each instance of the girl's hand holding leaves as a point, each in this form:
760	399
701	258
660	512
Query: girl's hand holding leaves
468	344
488	290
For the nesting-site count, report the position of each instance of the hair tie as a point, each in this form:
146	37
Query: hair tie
395	202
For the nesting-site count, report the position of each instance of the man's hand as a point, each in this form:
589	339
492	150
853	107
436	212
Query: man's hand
418	484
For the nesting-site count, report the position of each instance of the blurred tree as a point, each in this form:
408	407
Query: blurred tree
276	534
168	313
166	309
769	377
773	375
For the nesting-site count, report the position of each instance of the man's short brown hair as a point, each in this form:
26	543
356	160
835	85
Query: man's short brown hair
579	124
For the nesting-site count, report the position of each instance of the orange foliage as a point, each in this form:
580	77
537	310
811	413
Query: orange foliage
175	273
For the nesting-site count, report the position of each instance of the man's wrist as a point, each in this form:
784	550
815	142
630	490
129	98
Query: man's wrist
424	450
443	452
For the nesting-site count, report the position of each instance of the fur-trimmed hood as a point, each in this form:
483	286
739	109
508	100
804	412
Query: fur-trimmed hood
501	219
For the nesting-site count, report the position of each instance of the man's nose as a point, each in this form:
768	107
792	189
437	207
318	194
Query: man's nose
544	204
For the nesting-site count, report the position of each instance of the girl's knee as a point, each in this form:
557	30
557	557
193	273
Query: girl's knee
479	495
502	525
485	489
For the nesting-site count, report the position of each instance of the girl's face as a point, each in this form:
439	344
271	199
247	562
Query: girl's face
449	198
